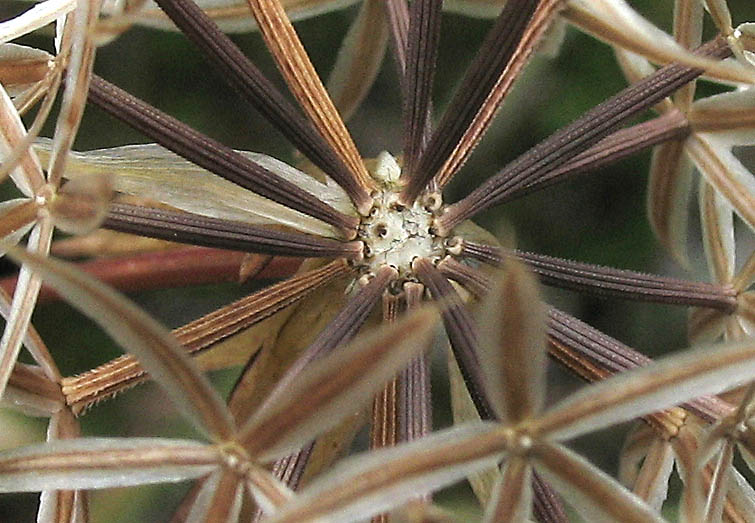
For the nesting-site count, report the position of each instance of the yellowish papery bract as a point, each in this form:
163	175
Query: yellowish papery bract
152	172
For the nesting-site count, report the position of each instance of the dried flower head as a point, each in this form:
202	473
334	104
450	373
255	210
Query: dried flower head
380	232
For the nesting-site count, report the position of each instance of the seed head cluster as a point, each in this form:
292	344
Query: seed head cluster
369	248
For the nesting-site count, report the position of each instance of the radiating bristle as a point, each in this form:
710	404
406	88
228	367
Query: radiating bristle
107	380
479	80
623	143
213	232
589	129
210	154
593	279
260	93
422	51
461	330
305	85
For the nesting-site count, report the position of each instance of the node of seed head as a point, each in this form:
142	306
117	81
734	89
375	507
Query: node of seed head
235	457
517	442
394	234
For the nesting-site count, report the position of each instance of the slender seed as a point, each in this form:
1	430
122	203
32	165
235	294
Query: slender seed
304	83
212	155
422	52
384	424
607	281
593	355
587	130
384	427
416	398
393	306
489	254
600	348
340	330
398	17
581	347
107	380
472	280
547	504
228	320
212	232
595	280
672	125
491	60
343	327
243	76
541	20
415	392
461	332
414	293
288	470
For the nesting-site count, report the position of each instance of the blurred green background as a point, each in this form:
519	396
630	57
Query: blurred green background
599	218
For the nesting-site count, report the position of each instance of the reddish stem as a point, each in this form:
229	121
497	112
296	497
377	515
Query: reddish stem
180	267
